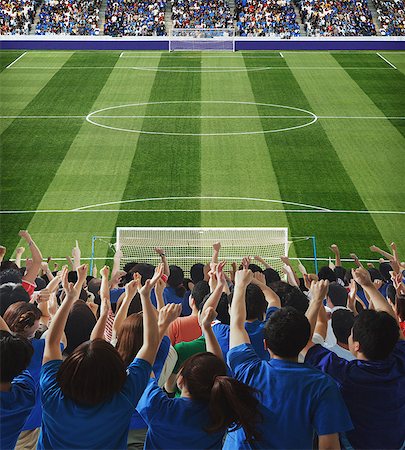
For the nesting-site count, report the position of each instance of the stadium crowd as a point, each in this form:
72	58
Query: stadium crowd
391	14
201	14
145	356
266	18
73	17
17	16
135	18
337	18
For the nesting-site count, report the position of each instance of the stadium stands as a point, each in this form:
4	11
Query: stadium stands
337	18
266	18
391	14
201	14
72	17
17	16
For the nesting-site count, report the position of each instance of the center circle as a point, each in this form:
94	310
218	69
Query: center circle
224	118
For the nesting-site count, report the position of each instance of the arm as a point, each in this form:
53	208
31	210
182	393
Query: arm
319	291
262	261
321	326
336	251
32	272
150	327
352	297
210	338
356	260
238	334
3	252
99	328
271	297
329	442
214	298
3	325
46	271
52	343
376	249
76	255
162	254
159	288
130	291
167	315
216	248
291	275
116	263
18	254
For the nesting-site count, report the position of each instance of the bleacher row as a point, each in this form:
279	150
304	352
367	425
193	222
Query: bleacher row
252	17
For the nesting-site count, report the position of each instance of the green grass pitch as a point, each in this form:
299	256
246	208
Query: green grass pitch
320	134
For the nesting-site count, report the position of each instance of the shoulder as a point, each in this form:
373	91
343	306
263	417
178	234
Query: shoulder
244	362
24	385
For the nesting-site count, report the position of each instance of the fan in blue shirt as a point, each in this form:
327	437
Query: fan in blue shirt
296	400
17	388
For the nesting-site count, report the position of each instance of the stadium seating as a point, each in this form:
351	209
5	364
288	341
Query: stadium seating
266	18
337	18
201	14
391	14
135	18
71	17
17	16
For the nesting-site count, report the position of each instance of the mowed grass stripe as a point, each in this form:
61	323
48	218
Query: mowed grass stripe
366	148
309	171
239	165
387	90
8	56
32	150
95	169
165	165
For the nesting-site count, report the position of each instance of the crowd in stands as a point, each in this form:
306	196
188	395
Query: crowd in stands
72	17
135	18
266	18
17	16
391	14
146	358
201	14
337	18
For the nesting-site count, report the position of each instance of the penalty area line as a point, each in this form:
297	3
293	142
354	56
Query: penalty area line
386	60
16	60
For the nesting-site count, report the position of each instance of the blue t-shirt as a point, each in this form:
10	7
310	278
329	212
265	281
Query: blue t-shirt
15	407
169	296
374	392
65	424
295	400
176	423
137	422
254	330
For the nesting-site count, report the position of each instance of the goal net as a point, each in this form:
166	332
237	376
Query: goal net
202	39
187	246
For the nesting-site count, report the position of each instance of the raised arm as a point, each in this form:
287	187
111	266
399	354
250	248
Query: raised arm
214	298
216	247
18	254
210	338
291	275
336	251
356	260
386	255
99	328
55	332
159	288
262	261
167	315
271	297
238	334
36	255
166	269
76	255
116	262
131	289
151	339
319	291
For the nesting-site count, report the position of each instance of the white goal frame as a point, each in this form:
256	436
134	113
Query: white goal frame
186	246
201	39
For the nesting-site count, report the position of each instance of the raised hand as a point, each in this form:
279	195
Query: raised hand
82	273
131	288
258	277
219	273
19	250
25	235
319	289
334	248
168	314
362	277
160	287
356	260
72	292
246	262
209	316
243	277
105	272
286	260
216	246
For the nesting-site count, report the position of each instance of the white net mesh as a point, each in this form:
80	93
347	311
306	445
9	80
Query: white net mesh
202	39
187	246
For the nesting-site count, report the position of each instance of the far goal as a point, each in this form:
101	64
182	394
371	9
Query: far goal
200	39
187	246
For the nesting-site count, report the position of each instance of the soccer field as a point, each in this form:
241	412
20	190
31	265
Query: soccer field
312	141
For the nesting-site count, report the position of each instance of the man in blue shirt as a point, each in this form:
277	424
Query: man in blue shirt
296	400
373	384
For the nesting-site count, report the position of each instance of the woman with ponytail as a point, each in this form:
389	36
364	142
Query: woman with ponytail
210	403
175	290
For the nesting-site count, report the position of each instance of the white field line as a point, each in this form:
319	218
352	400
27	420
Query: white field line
201	69
16	60
386	60
285	211
281	54
208	117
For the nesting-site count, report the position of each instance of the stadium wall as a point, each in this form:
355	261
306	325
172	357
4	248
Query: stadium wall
162	43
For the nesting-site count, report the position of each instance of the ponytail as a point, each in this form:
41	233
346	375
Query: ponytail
234	404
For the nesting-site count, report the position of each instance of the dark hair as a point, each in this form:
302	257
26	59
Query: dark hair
94	286
340	272
385	269
199	292
222	308
197	272
12	293
391	293
15	355
256	304
92	374
72	276
281	288
134	307
342	324
10	276
400	306
176	279
128	266
326	273
21	315
375	274
296	299
79	325
40	284
377	333
7	264
231	403
271	275
130	337
337	294
287	332
145	270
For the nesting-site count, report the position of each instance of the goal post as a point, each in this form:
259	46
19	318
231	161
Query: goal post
200	39
187	246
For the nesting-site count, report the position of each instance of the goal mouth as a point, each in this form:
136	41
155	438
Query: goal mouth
185	247
202	39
